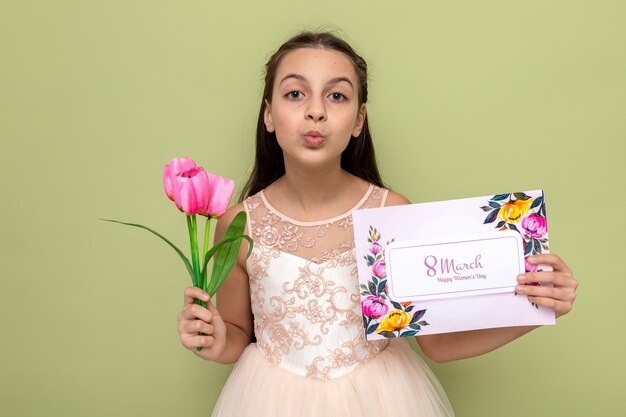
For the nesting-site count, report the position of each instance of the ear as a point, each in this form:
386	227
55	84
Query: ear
267	118
360	121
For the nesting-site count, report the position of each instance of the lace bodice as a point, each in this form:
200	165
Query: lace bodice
304	290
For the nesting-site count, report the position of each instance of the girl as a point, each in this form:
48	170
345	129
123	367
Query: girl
297	295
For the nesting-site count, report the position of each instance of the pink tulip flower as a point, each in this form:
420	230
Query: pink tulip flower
175	167
194	190
221	192
191	191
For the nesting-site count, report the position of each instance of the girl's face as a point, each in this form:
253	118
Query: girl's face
315	107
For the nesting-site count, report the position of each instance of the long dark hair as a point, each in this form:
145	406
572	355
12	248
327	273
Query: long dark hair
358	158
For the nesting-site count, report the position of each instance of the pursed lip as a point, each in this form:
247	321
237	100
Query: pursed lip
314	139
314	134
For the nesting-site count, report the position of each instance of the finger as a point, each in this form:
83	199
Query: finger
193	342
559	294
220	327
550	259
194	327
193	293
559	307
193	312
212	309
556	278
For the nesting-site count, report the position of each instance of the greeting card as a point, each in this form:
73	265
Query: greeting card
449	266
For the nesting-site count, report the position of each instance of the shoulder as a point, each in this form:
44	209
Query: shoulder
222	225
395	199
226	218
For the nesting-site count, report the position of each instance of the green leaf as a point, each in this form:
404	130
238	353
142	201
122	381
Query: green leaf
417	315
227	254
237	227
224	262
387	334
372	328
528	247
495	204
371	287
491	217
408	333
500	197
536	246
521	196
178	251
486	208
214	250
537	202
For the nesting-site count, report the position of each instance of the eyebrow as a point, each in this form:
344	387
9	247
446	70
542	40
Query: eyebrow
331	81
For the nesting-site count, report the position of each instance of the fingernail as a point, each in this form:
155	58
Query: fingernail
520	289
205	297
521	278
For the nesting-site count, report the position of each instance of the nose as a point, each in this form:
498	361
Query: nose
316	111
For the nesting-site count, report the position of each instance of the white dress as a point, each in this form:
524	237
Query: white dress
310	357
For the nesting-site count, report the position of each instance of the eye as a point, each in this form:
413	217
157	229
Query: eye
293	95
337	97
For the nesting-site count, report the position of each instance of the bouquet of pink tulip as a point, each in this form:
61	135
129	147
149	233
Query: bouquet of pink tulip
197	192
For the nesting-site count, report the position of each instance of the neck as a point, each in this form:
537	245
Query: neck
313	188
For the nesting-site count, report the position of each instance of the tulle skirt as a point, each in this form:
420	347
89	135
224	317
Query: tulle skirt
395	383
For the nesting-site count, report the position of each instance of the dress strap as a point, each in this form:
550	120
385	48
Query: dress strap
383	200
248	211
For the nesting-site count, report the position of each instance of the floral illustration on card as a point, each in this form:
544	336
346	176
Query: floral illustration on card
381	314
520	209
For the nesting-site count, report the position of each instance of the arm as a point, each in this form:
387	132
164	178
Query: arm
446	347
227	331
233	297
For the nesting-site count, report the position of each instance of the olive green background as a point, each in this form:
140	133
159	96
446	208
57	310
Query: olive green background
468	98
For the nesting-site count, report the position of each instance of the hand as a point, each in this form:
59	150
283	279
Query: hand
561	295
195	319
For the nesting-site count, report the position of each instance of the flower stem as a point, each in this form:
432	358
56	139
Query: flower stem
193	242
207	230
